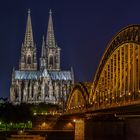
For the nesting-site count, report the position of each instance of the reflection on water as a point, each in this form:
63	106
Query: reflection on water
38	135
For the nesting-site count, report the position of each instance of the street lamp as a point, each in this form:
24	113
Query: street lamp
74	120
35	113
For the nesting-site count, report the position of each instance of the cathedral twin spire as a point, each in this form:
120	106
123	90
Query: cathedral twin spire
50	40
50	54
50	33
28	59
28	41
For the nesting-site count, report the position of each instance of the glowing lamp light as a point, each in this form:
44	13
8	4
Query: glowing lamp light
43	124
35	113
21	131
74	120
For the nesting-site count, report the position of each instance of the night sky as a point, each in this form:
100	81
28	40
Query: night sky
82	30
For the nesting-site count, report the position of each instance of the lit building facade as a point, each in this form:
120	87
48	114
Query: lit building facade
48	84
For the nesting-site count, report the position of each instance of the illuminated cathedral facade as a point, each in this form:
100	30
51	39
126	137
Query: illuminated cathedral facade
46	84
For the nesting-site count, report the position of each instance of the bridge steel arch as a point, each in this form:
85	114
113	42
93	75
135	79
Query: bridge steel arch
117	79
78	99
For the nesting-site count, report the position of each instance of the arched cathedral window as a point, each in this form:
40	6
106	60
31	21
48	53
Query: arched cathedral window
16	92
46	90
32	92
22	89
29	60
51	60
39	92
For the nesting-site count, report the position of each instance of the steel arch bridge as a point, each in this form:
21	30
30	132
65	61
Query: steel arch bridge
117	79
79	97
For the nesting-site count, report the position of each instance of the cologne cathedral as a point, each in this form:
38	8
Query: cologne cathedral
46	84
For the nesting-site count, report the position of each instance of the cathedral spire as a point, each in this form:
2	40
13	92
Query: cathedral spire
43	52
43	55
28	41
50	33
28	59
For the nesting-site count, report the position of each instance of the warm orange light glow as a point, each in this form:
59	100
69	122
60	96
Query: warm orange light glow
69	126
43	124
74	120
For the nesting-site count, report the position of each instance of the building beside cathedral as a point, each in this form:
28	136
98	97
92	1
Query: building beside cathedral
48	83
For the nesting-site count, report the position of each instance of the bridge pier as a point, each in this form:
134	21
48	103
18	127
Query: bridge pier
92	129
80	129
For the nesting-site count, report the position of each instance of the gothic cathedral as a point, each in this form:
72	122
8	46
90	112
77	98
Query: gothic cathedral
48	84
